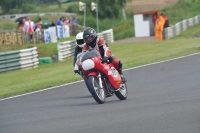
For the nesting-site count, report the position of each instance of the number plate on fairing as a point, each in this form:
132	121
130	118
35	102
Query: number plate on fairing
113	71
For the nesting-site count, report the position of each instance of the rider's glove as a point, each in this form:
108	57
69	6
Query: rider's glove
104	59
77	71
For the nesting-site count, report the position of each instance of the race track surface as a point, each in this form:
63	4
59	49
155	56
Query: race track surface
163	98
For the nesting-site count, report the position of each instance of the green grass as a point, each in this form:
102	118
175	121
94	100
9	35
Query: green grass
131	54
7	25
184	9
53	8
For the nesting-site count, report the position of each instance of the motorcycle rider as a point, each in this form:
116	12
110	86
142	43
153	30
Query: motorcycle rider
78	49
92	41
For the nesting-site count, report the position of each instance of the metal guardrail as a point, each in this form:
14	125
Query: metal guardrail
180	27
19	59
107	35
13	17
66	49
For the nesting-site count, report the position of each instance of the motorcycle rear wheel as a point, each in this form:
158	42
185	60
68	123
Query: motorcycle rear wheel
97	93
122	93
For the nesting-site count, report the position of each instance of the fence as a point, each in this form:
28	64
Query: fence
66	49
19	59
180	27
15	16
17	37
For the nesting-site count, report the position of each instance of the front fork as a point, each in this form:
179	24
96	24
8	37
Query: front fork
100	81
97	76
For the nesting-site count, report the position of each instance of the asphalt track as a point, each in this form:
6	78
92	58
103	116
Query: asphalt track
163	98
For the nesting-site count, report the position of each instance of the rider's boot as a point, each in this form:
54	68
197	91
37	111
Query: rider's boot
118	66
120	72
123	78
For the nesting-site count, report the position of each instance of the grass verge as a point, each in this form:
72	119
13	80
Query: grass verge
131	54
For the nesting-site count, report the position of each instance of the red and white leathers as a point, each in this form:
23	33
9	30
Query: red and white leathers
105	52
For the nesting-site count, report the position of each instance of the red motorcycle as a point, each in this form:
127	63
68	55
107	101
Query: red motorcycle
101	79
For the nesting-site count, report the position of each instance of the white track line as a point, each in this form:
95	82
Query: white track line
82	80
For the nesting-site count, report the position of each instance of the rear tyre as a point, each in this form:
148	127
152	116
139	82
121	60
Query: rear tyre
122	93
97	93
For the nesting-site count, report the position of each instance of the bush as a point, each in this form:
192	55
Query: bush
125	30
15	11
73	9
28	8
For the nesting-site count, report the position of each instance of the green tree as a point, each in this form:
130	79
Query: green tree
7	5
108	8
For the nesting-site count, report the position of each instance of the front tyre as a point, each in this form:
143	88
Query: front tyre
97	93
86	83
122	93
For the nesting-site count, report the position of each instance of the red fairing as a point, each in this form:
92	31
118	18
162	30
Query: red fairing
108	69
92	74
112	74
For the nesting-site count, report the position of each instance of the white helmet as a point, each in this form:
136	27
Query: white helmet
79	39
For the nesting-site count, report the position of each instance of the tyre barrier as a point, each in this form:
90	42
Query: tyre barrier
19	59
179	27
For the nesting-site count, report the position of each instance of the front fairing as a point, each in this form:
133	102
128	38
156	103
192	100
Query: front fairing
90	54
90	60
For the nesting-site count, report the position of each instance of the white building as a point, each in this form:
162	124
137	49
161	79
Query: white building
144	23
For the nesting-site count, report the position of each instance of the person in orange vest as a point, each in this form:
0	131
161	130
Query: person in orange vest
159	30
161	18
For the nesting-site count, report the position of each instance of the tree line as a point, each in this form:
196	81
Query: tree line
107	8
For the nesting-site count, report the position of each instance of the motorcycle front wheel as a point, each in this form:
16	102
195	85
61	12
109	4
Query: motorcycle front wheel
86	83
97	92
122	93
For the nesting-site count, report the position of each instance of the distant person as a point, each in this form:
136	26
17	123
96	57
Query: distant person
60	21
166	24
39	21
75	22
159	30
161	18
38	25
155	17
21	24
70	20
67	21
74	26
29	28
78	49
53	23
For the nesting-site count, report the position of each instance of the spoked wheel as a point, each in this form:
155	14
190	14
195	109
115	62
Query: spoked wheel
97	93
122	93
